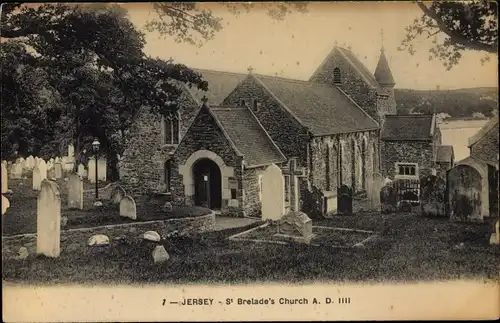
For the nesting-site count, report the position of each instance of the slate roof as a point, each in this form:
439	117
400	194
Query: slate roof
444	154
248	135
407	127
323	109
360	68
220	85
484	130
383	73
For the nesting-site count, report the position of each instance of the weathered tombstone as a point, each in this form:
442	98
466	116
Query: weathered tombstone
30	162
376	185
5	179
5	204
388	199
81	170
91	170
344	200
296	225
160	254
75	192
37	178
102	169
98	240
117	194
464	194
432	196
71	150
128	208
495	236
58	170
48	237
273	196
42	166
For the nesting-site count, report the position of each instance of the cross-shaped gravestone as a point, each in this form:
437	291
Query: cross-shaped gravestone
204	99
295	172
250	69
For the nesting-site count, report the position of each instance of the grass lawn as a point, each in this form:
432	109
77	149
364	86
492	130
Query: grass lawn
21	215
410	248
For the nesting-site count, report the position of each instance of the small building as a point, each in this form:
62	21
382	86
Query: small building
410	145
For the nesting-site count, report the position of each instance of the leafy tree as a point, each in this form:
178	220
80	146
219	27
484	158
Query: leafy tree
90	61
465	25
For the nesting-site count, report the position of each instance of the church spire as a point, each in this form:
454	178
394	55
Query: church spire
383	73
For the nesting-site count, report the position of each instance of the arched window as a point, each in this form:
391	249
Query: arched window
171	129
336	75
167	173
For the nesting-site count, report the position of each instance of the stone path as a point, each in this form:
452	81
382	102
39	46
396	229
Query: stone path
227	222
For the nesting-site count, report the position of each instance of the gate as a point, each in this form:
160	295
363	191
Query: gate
407	190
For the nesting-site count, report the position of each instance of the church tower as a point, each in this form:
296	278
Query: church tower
386	102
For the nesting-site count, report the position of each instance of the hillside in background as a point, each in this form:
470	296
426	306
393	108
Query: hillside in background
461	103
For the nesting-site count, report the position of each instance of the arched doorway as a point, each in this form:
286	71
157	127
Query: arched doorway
207	184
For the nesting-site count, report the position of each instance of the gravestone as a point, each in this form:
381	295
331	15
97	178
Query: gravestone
58	170
151	236
75	192
48	237
128	208
117	194
432	196
296	225
71	150
495	236
81	170
42	166
464	194
91	170
98	240
388	199
5	204
273	194
37	178
5	179
344	200
376	184
30	162
160	254
102	169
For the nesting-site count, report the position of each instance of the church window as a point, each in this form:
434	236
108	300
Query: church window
167	175
171	129
407	169
255	105
336	75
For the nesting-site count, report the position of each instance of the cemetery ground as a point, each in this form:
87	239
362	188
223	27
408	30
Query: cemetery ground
408	248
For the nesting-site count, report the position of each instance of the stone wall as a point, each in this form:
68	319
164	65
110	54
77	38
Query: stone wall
275	119
487	147
76	239
352	83
207	136
251	189
406	151
142	164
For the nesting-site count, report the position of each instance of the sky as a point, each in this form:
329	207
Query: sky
296	46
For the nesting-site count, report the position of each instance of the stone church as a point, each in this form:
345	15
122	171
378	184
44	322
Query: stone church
257	145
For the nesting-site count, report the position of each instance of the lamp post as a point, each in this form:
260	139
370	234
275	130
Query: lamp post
95	147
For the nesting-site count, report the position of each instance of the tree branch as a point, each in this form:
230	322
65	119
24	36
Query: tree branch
456	37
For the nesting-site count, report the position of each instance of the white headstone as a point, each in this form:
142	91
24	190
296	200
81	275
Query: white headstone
58	170
30	163
91	170
102	169
48	237
75	192
42	166
375	185
160	254
117	194
98	240
151	236
37	178
81	170
71	150
273	194
128	208
5	179
5	204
